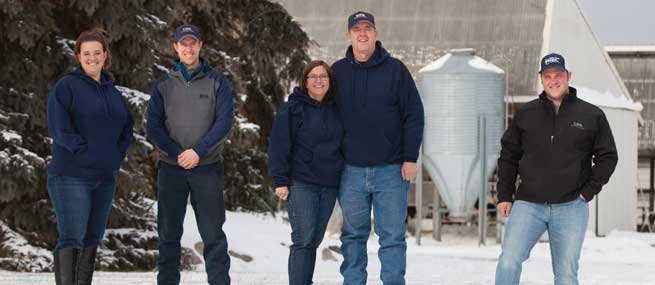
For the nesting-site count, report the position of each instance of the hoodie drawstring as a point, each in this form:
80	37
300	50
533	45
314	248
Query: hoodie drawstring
324	116
101	87
353	82
365	87
107	105
359	96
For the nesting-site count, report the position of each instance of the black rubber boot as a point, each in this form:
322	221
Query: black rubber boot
85	265
65	265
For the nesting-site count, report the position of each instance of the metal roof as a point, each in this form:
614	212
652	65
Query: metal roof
419	32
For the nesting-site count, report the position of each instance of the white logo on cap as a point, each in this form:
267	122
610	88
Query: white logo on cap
550	60
360	15
187	29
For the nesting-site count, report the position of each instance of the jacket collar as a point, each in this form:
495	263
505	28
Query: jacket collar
180	71
570	97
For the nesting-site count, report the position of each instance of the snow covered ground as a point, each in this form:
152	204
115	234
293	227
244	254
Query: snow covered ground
619	258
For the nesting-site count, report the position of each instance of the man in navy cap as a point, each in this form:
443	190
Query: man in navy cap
189	117
382	115
551	143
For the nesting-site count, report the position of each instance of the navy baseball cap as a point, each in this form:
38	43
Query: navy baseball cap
360	16
186	30
553	60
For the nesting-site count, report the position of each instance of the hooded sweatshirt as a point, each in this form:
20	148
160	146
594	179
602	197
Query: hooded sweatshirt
380	108
305	143
90	125
190	114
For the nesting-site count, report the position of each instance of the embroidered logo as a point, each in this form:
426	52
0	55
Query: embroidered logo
360	15
187	29
577	125
551	60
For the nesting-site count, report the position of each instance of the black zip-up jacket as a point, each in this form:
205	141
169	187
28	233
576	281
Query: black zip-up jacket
553	152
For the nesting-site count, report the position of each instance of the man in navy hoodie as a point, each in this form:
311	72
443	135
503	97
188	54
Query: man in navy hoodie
189	117
382	115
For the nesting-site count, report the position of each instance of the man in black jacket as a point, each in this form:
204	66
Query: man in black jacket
551	144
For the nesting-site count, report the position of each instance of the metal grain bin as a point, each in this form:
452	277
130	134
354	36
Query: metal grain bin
456	90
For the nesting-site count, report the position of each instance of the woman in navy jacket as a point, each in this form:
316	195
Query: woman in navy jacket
91	128
305	162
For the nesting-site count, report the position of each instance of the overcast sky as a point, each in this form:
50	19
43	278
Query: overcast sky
621	22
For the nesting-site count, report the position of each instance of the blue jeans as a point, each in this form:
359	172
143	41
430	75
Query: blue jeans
82	208
205	185
310	207
382	188
566	224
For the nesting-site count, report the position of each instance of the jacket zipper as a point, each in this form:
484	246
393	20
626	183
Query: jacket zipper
551	106
556	115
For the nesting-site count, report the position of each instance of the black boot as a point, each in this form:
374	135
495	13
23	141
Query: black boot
65	264
85	265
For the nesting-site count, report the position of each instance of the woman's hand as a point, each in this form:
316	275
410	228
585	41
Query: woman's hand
282	192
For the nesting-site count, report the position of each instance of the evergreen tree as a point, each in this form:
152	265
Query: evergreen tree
256	43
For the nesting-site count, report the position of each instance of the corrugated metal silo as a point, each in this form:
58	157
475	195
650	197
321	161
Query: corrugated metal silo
456	90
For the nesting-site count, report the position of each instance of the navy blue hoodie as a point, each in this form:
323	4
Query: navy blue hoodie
90	125
380	108
305	143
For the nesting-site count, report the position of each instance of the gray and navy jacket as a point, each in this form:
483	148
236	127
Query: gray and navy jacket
190	114
558	155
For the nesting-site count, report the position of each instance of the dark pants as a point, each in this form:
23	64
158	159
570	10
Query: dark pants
82	208
205	184
309	209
